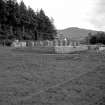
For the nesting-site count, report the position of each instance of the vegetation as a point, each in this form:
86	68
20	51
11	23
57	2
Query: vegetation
97	38
30	77
20	22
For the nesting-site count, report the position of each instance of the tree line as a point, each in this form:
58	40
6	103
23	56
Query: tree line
17	21
97	38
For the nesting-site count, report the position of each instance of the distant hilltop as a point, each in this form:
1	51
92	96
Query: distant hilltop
75	33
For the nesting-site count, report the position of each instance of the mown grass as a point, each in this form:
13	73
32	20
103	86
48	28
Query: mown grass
38	76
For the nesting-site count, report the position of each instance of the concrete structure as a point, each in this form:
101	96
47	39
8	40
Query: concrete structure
18	43
69	49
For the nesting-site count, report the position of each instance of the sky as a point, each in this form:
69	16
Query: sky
89	14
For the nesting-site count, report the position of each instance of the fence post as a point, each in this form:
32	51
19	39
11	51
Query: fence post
61	44
56	42
69	43
48	43
65	42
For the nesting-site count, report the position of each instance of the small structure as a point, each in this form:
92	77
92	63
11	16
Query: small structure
67	45
18	43
22	43
70	49
15	43
30	43
102	48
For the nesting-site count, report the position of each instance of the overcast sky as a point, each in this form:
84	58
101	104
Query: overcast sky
88	14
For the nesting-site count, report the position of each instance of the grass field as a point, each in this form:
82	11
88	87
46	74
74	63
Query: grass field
37	76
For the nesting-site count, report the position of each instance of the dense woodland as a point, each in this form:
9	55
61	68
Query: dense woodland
17	21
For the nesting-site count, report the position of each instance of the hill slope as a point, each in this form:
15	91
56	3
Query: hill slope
75	33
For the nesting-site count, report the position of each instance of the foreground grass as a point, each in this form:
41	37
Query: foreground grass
30	77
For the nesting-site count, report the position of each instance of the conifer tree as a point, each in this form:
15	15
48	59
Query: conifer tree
19	22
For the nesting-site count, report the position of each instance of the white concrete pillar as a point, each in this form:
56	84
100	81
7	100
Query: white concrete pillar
41	43
48	43
56	42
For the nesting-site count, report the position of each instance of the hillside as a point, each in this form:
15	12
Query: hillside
75	33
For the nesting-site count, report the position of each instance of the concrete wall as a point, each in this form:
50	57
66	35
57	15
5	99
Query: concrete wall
69	49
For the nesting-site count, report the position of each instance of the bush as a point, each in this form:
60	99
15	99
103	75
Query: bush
8	42
99	37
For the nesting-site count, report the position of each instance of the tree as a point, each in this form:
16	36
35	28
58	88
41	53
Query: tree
32	26
45	26
3	19
23	17
99	37
19	22
3	12
12	9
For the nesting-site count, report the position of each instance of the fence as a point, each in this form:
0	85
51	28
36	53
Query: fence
45	43
60	46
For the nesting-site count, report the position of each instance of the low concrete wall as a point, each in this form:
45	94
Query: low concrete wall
69	49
